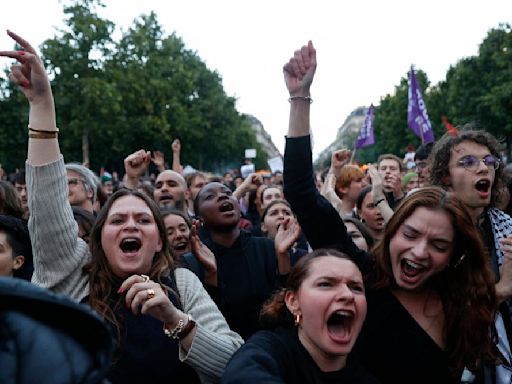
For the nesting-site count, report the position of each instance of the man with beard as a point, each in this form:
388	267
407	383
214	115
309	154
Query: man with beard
170	186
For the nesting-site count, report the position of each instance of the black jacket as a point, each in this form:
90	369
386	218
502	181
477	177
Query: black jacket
247	276
279	357
48	338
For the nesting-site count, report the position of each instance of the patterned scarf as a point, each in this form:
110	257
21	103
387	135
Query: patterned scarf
501	224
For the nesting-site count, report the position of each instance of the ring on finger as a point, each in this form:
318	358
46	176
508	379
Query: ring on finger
145	278
150	293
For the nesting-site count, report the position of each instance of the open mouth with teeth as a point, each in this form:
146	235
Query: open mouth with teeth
130	245
180	246
339	325
411	269
483	187
226	207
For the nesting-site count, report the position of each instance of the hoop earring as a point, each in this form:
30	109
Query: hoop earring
297	318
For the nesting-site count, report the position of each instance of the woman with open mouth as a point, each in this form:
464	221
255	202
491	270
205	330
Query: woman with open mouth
160	315
315	321
431	297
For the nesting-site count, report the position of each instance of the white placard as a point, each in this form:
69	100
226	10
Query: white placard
275	164
250	153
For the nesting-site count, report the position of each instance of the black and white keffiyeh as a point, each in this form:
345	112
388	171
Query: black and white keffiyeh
501	224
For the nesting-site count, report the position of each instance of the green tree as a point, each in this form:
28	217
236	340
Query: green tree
168	92
478	89
113	98
13	127
84	97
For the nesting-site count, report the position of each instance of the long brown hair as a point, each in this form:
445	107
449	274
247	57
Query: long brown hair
103	284
275	312
466	286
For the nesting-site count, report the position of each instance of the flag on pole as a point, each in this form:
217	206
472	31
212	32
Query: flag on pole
417	117
365	137
452	131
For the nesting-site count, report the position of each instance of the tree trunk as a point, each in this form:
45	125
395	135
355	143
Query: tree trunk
85	147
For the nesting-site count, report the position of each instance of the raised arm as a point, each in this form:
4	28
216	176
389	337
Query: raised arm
339	159
158	158
298	75
135	165
321	223
379	199
59	254
176	156
30	75
254	180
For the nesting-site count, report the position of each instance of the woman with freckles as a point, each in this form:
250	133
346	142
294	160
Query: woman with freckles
160	315
315	321
431	297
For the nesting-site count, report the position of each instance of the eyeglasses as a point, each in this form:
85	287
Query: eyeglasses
75	181
471	163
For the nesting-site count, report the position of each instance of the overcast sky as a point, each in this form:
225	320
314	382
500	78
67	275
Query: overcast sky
363	47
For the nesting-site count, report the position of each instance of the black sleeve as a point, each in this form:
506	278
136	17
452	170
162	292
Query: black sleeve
320	222
254	362
189	261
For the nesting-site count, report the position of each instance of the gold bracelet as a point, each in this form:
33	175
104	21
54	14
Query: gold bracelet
181	329
42	130
43	135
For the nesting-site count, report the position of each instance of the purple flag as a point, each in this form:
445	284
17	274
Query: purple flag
417	117
365	137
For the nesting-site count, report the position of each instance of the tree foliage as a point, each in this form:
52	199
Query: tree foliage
113	98
477	90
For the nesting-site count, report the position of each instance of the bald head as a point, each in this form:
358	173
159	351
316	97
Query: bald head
170	189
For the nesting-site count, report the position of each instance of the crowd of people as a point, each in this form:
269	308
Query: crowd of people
398	272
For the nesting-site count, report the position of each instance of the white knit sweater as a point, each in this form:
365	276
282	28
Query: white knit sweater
59	256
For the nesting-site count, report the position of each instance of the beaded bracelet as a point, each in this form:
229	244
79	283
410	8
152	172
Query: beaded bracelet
181	329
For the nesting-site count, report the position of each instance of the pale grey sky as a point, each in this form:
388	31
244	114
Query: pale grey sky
363	47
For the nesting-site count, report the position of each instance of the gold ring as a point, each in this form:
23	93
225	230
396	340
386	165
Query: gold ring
150	293
145	277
